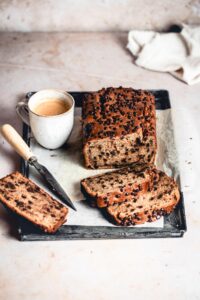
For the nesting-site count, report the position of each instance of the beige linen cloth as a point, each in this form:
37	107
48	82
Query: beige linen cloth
177	53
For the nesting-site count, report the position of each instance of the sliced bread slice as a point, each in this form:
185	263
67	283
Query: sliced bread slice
28	200
117	186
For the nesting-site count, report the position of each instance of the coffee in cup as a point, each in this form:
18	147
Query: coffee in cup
51	107
50	114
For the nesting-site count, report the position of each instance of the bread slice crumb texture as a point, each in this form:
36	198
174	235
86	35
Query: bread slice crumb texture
25	198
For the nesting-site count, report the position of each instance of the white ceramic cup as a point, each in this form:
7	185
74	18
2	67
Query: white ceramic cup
49	131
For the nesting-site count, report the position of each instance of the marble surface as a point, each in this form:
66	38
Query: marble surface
96	15
110	269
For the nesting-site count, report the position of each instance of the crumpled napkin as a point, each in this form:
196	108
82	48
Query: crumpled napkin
177	53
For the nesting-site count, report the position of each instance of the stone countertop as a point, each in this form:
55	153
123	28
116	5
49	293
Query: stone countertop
108	269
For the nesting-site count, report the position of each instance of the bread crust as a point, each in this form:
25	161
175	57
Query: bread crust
141	217
14	179
113	114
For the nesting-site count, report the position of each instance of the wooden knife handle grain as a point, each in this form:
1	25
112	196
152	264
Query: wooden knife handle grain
16	141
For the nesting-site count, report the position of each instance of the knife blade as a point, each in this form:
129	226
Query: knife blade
53	184
16	141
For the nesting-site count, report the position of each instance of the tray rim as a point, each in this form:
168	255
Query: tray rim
70	232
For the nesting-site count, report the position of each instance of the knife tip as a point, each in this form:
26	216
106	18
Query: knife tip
73	207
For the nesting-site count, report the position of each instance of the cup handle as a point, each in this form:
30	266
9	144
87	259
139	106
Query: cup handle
22	111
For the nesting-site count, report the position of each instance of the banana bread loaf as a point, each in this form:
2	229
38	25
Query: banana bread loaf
119	128
134	195
28	200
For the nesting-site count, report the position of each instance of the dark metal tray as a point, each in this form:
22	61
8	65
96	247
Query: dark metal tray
174	224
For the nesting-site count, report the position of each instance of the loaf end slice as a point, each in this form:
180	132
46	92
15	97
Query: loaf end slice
28	200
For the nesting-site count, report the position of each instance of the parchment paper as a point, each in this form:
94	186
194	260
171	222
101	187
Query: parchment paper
66	165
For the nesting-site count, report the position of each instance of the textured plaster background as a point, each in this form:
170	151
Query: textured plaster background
95	15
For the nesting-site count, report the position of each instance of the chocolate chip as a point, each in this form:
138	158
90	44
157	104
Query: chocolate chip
30	189
10	185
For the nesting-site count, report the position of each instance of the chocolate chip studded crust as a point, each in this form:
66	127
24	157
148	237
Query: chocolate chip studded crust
134	195
28	200
119	128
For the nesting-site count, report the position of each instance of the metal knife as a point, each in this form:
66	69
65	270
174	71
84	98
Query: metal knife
16	141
